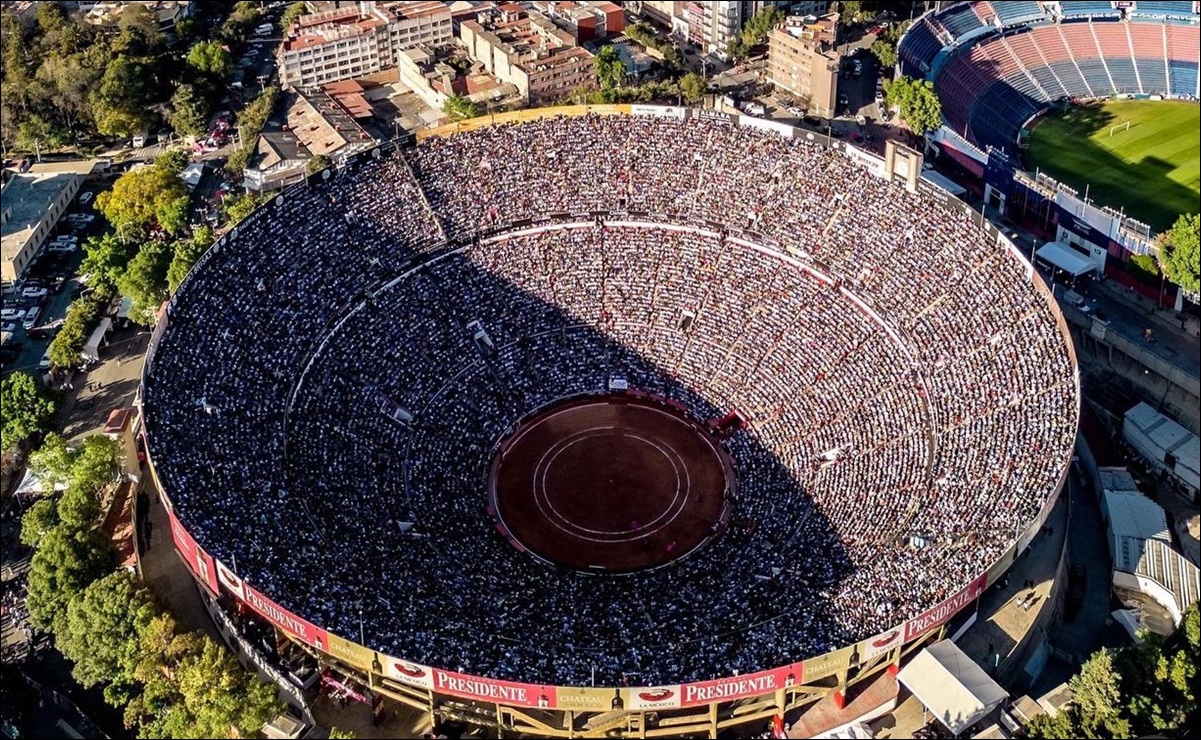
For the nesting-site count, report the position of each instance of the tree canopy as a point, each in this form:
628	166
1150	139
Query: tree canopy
918	105
28	410
103	632
187	251
758	26
459	108
1179	254
610	69
65	562
1139	690
145	280
292	13
692	87
210	59
143	198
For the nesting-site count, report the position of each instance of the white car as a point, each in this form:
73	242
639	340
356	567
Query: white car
8	327
86	198
795	112
62	247
12	314
35	292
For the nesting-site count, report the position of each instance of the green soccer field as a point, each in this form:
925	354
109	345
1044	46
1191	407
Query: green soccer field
1151	169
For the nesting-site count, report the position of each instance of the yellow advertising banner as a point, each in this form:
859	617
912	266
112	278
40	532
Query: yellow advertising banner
826	665
583	699
353	654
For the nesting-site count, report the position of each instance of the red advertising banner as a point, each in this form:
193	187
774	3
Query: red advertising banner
935	616
284	619
489	689
655	697
199	561
739	687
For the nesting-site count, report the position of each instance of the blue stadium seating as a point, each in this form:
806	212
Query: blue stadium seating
960	21
1166	8
1153	75
1011	12
1184	78
1122	72
1094	73
918	50
1071	79
1043	62
1081	8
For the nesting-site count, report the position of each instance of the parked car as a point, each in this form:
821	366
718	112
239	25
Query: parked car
34	291
12	314
795	112
62	247
843	100
44	363
8	326
86	198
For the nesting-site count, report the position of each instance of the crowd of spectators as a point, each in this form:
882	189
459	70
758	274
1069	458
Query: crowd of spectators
323	416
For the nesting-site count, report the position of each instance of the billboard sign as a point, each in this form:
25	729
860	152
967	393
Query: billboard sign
739	687
829	664
284	619
354	654
199	561
881	643
654	697
661	111
936	616
406	672
230	580
589	699
492	690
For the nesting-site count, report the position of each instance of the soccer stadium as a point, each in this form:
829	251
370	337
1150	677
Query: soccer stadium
1081	84
664	419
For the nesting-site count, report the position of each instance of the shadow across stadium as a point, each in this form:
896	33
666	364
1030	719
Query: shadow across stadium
408	538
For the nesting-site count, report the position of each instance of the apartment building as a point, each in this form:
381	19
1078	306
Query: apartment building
713	24
803	59
343	43
526	49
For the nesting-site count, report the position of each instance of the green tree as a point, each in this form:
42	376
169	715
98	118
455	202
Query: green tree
145	280
28	410
238	207
138	31
1179	255
65	562
610	70
1098	699
692	87
459	108
102	634
1144	267
52	462
211	60
737	49
850	10
122	104
885	52
39	520
187	251
145	197
918	105
337	733
292	13
189	111
105	258
755	31
1059	726
320	162
82	316
95	465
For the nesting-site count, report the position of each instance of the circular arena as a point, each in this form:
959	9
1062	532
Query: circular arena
354	404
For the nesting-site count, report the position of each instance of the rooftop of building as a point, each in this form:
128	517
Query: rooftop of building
817	31
322	125
27	195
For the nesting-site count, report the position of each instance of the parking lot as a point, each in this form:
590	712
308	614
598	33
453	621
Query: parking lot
48	286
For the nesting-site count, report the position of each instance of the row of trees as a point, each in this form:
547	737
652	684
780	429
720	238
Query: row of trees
610	71
1135	691
250	123
171	683
66	81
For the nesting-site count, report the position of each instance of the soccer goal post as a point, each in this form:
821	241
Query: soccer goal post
1123	126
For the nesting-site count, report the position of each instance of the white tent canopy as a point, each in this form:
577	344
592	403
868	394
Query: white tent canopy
951	686
1066	258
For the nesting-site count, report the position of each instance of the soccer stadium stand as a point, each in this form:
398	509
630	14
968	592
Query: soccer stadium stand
993	82
910	394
